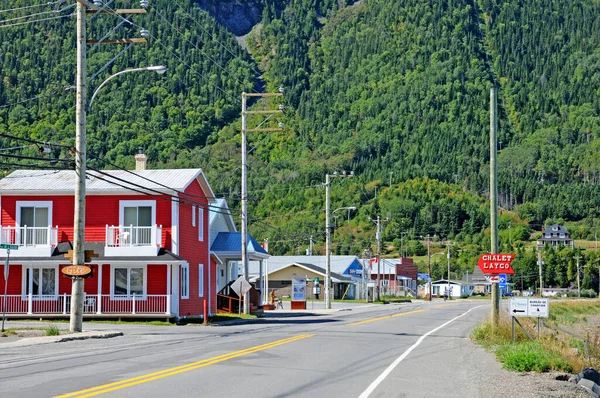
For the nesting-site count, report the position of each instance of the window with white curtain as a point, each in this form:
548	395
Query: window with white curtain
200	280
185	281
200	224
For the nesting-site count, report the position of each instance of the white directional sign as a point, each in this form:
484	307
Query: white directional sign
518	306
532	307
538	307
493	278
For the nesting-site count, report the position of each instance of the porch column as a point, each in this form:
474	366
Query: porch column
30	295
168	309
99	308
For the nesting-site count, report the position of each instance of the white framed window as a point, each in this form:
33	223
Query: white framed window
200	224
200	280
193	215
185	281
45	282
137	217
125	281
37	217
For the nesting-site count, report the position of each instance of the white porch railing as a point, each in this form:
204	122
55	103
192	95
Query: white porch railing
29	236
133	240
32	241
93	304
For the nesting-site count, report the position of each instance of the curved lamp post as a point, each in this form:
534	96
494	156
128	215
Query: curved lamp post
160	69
76	315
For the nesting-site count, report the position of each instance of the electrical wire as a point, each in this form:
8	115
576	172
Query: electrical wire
36	14
153	192
33	98
35	166
258	73
33	6
37	20
195	46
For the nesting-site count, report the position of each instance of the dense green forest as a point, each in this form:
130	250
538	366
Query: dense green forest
397	92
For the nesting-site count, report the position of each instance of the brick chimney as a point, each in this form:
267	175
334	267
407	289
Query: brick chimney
140	161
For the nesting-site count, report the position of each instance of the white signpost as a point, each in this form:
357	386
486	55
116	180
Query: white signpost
530	307
6	271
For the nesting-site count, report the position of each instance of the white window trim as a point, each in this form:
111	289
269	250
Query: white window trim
128	297
185	273
136	203
200	224
25	283
193	215
26	203
200	280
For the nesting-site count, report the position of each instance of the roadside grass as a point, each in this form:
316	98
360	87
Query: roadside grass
52	330
553	350
569	312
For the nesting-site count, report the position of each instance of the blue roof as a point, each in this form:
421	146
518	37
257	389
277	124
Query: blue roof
232	242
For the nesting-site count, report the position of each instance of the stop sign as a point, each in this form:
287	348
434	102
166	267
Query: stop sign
496	263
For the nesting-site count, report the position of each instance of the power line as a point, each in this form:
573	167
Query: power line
37	20
33	98
33	6
153	192
208	33
195	46
36	14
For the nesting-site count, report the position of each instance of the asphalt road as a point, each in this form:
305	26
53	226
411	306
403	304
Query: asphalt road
398	350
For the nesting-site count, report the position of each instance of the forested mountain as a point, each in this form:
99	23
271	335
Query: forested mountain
397	91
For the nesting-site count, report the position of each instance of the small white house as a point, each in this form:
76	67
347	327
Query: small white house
457	288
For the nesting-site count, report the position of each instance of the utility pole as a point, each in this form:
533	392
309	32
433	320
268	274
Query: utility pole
578	282
448	291
328	233
540	262
77	287
494	197
378	237
76	313
244	194
429	265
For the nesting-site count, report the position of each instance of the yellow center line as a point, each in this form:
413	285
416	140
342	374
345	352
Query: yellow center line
91	392
386	317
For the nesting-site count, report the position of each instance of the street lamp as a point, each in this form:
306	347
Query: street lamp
160	69
328	233
76	315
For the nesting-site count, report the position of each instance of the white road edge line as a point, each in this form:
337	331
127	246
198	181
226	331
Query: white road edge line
386	372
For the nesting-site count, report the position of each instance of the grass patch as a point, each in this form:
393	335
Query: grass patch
553	351
571	312
530	356
52	330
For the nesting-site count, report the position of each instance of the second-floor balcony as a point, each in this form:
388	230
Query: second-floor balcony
32	241
131	240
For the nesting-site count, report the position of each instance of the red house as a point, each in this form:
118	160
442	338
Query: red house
148	228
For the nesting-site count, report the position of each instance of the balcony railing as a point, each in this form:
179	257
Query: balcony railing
93	304
32	241
133	240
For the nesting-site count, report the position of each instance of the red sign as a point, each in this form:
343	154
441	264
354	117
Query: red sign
496	263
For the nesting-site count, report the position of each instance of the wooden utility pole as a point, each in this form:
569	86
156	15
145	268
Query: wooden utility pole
76	314
244	193
429	265
77	287
494	197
